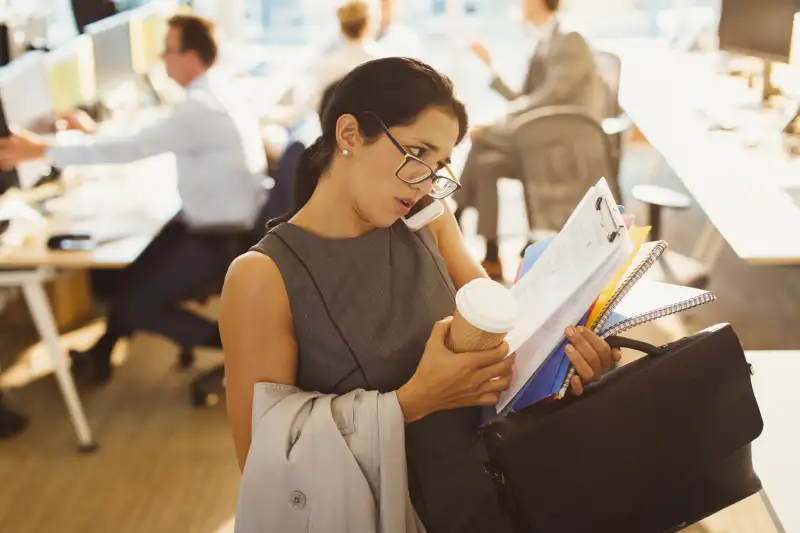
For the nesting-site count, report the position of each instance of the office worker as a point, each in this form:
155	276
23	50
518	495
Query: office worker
340	298
357	47
562	71
220	163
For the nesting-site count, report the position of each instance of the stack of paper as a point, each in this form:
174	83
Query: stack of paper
583	277
564	282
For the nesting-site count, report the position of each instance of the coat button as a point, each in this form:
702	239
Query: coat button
297	499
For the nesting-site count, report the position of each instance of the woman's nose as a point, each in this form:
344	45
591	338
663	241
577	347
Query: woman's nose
424	188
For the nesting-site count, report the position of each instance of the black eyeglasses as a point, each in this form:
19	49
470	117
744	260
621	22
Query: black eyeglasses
414	170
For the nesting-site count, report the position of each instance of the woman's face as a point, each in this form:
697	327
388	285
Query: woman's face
380	197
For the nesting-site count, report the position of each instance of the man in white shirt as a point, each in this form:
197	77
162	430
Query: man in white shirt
221	167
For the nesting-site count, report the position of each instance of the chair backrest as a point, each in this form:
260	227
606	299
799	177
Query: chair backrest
610	68
564	152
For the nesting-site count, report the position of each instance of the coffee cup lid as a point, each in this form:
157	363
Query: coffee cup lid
487	305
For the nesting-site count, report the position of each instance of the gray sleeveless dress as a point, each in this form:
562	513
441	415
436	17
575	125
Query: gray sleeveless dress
363	309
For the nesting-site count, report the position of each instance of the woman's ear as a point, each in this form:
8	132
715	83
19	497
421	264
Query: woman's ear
348	134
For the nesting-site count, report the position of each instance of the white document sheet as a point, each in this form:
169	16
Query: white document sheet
564	282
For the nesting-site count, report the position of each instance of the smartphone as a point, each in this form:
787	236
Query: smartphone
425	211
71	241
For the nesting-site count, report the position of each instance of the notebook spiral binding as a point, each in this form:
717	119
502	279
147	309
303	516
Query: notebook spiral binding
658	313
628	283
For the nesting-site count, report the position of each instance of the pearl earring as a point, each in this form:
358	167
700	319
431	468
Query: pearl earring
346	153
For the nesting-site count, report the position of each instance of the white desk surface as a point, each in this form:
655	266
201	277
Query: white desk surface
125	205
741	188
776	453
130	204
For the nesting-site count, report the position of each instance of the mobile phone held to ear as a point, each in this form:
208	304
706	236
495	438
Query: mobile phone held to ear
425	211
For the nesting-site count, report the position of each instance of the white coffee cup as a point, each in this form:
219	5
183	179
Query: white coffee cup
485	312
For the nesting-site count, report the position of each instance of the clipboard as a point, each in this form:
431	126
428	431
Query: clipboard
612	227
564	281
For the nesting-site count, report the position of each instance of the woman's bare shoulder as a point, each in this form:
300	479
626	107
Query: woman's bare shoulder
254	279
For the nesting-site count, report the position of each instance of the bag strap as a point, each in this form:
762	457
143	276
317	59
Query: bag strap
639	346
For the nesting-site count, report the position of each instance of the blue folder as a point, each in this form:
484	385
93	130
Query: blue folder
549	378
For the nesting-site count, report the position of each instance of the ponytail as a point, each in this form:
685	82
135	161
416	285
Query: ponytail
312	162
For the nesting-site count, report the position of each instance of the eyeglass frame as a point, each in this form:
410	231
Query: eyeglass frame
406	156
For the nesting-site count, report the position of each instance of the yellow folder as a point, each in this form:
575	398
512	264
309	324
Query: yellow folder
638	236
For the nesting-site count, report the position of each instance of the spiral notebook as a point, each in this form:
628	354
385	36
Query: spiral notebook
633	302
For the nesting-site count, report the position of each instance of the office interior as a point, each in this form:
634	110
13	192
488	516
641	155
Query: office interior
708	152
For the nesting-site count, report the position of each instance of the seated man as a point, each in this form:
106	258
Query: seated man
220	162
562	71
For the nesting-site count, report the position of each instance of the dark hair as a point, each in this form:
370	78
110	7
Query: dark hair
396	89
327	94
552	5
197	34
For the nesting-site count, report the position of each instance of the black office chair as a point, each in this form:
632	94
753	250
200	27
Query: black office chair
564	151
206	387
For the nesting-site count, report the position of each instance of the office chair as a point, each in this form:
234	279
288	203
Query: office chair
206	386
564	151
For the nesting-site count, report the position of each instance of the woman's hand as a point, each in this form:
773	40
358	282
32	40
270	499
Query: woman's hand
446	380
590	355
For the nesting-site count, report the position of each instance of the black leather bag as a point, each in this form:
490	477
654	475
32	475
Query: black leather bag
653	447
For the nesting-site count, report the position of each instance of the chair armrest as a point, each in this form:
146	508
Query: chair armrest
617	125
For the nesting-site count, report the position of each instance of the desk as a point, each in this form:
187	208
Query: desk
741	188
128	205
775	452
132	202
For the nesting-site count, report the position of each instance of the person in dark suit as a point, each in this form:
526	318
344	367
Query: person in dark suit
562	71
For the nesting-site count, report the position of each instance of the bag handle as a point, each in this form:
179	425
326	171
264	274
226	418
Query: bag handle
639	346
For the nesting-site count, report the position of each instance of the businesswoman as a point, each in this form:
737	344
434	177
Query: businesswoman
340	295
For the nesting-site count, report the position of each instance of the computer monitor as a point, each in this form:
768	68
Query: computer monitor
148	30
26	102
758	28
71	76
113	59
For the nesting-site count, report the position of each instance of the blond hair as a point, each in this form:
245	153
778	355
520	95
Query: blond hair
353	18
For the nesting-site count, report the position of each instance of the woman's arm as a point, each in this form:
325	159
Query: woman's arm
258	338
461	265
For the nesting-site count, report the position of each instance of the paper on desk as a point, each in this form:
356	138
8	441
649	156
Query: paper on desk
24	220
563	283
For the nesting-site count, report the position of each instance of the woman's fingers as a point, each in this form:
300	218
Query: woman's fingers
600	346
582	345
583	368
495	385
501	369
576	386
